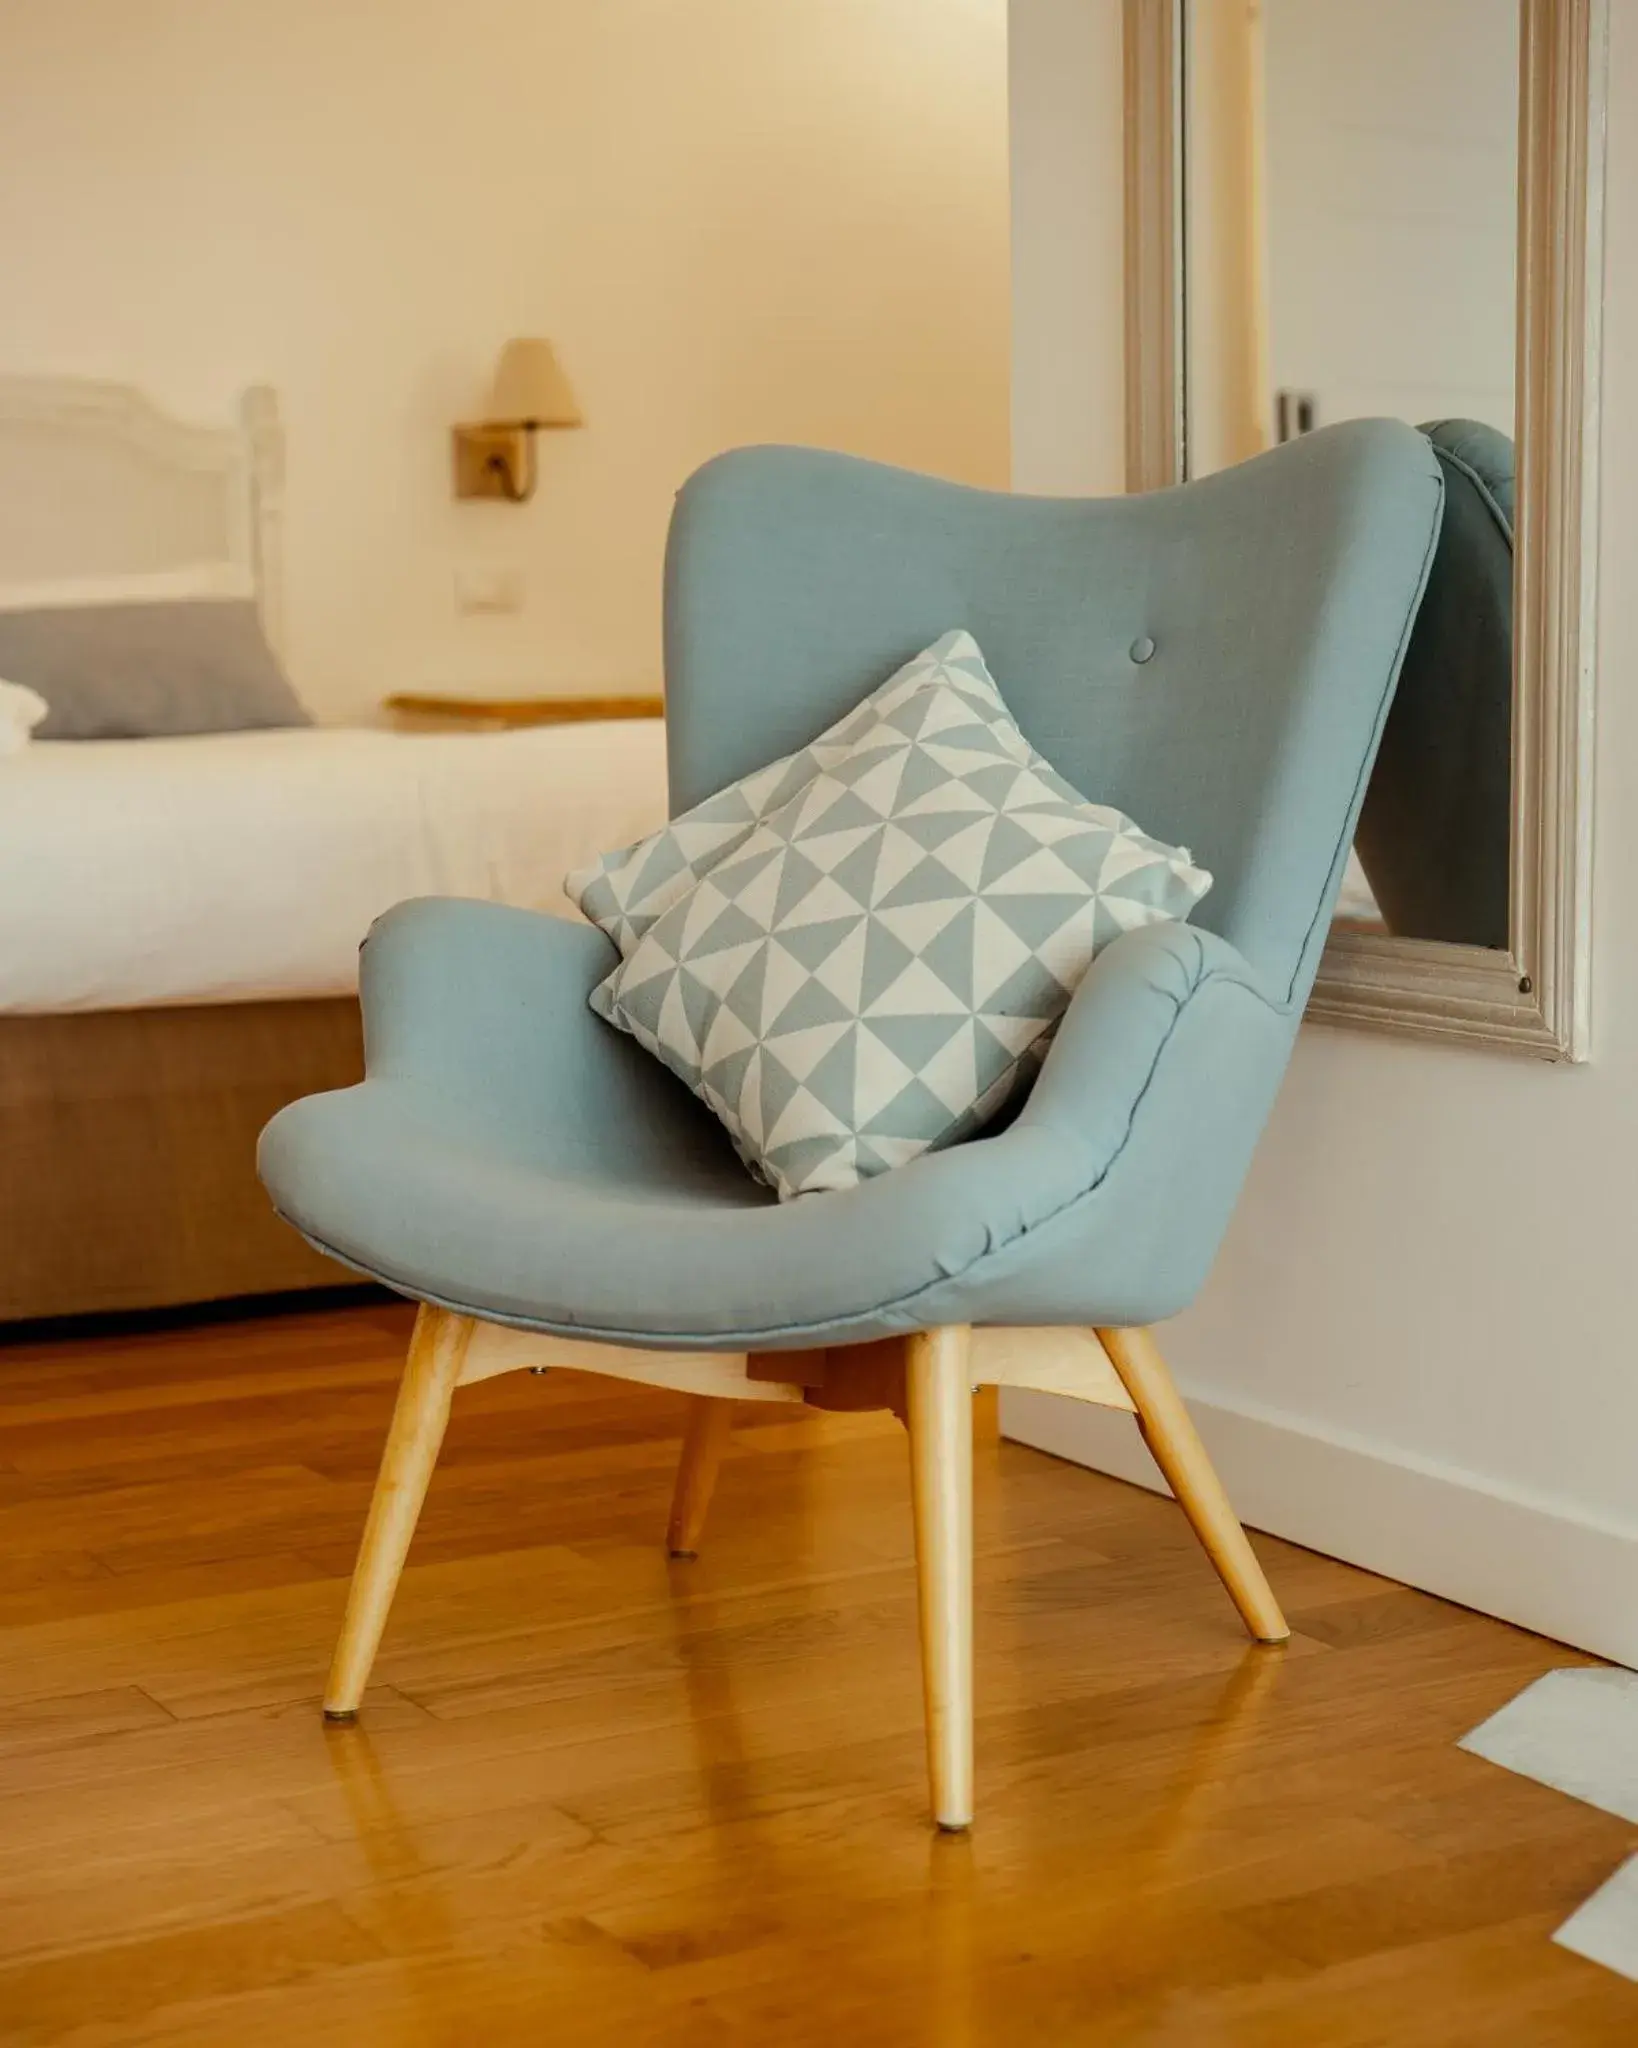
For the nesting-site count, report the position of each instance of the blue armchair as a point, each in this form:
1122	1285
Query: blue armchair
1218	660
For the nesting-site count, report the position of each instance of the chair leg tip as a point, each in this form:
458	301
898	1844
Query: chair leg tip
674	1552
954	1827
340	1717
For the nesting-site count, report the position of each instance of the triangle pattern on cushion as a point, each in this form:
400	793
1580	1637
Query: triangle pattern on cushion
860	953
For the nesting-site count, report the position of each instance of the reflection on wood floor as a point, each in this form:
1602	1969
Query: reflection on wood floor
601	1798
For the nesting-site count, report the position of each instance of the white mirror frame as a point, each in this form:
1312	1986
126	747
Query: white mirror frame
1534	997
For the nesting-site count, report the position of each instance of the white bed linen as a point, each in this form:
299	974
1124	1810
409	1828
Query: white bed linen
228	867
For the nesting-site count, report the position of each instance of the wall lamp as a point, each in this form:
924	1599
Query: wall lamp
495	458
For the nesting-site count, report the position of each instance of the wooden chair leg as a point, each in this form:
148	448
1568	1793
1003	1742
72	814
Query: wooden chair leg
436	1354
704	1441
1169	1431
939	1399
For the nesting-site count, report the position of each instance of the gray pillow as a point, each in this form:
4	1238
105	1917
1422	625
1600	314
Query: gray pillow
148	671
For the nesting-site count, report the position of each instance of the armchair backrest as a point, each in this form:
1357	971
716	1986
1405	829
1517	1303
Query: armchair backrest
1216	659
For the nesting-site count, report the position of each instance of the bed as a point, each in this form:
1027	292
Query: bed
180	917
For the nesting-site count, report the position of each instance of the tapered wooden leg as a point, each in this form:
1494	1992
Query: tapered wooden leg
1169	1431
437	1351
704	1442
939	1399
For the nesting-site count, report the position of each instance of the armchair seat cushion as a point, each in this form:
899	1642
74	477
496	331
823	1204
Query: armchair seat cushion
699	1255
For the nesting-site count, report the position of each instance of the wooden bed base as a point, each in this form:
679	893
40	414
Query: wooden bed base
128	1152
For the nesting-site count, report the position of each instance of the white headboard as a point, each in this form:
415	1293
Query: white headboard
97	484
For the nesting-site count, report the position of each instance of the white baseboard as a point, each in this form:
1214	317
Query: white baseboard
1534	1562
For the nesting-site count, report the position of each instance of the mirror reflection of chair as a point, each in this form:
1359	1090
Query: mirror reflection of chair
1434	835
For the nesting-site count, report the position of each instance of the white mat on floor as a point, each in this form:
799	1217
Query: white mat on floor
1605	1929
1574	1730
1578	1732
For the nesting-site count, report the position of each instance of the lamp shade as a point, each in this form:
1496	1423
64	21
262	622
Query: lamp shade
531	389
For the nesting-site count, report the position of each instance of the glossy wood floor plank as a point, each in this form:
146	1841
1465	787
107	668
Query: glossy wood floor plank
599	1796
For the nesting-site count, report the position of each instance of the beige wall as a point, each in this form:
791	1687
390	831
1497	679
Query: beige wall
1230	415
1417	1349
1067	320
739	220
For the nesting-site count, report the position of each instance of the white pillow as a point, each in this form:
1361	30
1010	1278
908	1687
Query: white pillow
21	710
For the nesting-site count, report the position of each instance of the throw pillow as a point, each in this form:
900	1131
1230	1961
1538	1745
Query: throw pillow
872	966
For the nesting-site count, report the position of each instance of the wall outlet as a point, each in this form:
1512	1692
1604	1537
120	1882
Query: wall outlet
489	587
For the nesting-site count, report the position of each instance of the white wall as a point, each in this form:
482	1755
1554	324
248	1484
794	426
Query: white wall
1417	1350
739	220
1351	217
1392	216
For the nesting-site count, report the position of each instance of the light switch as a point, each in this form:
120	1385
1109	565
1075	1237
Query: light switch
489	587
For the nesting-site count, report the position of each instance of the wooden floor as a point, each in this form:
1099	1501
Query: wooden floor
600	1798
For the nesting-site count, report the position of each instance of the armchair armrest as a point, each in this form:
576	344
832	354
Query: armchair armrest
1127	1017
482	1008
1152	1099
454	983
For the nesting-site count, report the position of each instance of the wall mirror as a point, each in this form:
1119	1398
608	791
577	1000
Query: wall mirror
1318	227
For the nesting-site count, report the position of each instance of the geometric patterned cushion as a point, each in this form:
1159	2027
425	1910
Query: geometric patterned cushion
873	966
